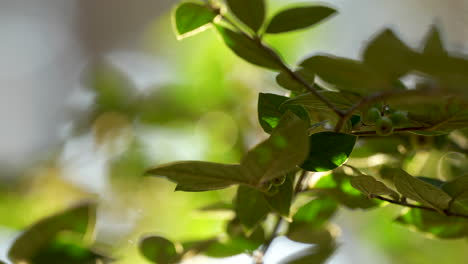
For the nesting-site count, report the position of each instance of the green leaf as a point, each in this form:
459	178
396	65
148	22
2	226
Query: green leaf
304	233
345	74
195	176
312	255
250	12
315	213
298	18
250	50
251	207
286	148
371	187
158	250
434	45
78	220
458	190
341	100
389	56
287	82
435	224
328	150
437	183
281	202
192	18
420	191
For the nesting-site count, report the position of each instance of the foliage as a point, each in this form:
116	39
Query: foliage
294	181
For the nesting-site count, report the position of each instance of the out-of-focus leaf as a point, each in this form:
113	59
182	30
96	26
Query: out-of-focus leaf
434	45
436	182
191	18
287	82
313	255
298	18
328	150
158	250
458	190
389	56
286	148
316	212
420	191
251	207
250	12
345	74
305	233
249	49
79	220
371	187
281	202
435	223
193	176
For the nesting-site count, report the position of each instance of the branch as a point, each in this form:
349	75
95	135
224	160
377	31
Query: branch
446	212
397	130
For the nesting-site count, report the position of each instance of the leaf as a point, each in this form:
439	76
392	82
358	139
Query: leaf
158	250
371	187
420	191
315	213
250	50
251	207
270	112
195	176
286	148
287	82
341	100
192	18
434	45
458	190
79	220
435	223
281	202
389	56
435	182
346	74
312	255
298	18
304	233
250	12
328	150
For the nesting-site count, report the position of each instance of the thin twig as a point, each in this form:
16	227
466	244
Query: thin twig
397	130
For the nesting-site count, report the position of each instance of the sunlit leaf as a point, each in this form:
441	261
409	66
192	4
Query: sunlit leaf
251	207
191	18
371	187
298	18
435	223
328	150
315	213
250	12
158	250
79	220
249	49
281	202
345	74
193	176
420	191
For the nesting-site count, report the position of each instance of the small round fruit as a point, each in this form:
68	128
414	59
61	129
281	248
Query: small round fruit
265	187
398	117
278	181
384	126
372	116
273	191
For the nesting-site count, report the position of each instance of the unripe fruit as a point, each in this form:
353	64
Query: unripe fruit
372	115
278	181
398	117
384	126
273	191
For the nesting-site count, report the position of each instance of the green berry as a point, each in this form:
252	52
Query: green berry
372	115
384	126
278	181
398	117
273	191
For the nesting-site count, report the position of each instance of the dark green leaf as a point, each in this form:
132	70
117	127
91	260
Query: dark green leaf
250	12
435	223
287	82
195	176
304	233
342	100
281	202
328	150
345	74
437	183
388	55
192	18
286	148
458	190
251	207
313	255
371	187
315	213
158	250
79	220
249	49
434	45
298	18
420	191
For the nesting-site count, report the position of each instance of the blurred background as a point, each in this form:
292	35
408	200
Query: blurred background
94	92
